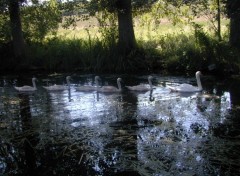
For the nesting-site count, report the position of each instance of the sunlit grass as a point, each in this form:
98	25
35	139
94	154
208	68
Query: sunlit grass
85	30
78	33
160	46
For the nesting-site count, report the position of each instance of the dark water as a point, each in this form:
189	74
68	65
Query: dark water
153	133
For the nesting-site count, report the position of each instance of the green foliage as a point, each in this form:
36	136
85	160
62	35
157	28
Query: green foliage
176	11
74	11
108	28
176	51
4	22
170	52
5	34
38	20
181	52
89	55
211	10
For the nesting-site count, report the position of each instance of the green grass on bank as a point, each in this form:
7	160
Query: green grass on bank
163	47
142	31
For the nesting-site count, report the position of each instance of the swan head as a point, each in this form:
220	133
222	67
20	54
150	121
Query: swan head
97	78
198	73
119	79
68	77
34	79
150	78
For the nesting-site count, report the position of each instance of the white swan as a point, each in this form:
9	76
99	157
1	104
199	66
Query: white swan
111	89
27	88
88	88
59	87
142	87
189	87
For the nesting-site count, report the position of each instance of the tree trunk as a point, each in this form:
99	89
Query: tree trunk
126	40
235	31
233	8
16	29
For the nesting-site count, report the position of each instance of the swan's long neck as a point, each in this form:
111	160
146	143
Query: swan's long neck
119	84
97	82
199	82
68	83
34	83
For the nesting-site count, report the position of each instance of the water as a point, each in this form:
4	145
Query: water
89	133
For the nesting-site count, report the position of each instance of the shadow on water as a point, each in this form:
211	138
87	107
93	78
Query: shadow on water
31	138
129	133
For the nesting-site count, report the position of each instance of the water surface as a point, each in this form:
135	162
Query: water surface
127	133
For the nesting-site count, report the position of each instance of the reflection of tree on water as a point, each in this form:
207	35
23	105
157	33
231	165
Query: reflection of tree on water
59	149
30	138
23	138
30	151
220	149
234	92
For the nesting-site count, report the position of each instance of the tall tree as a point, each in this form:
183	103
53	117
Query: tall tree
233	10
124	11
16	28
126	39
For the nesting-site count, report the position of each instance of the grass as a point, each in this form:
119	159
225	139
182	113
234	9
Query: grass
142	32
160	47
